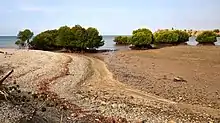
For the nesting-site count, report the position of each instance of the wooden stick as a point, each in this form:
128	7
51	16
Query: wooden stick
2	52
6	76
61	117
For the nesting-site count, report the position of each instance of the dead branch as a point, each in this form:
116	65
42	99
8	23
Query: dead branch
3	93
61	117
6	76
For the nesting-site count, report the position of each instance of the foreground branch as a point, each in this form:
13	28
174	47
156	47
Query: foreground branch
6	76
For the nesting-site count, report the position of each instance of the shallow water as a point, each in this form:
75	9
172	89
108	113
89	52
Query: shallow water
110	44
218	41
192	41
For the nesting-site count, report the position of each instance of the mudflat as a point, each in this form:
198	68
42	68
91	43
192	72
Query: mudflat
156	71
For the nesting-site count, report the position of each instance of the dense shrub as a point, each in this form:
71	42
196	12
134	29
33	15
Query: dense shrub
64	37
75	38
182	36
207	37
45	40
166	37
141	37
94	39
122	40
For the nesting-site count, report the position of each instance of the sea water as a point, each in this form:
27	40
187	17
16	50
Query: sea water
8	42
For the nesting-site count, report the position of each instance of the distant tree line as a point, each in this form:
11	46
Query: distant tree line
75	38
78	38
144	37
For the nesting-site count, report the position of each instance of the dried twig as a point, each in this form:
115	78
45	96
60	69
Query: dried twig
2	92
61	117
6	76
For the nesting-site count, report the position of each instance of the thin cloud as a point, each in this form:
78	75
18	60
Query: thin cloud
35	9
31	8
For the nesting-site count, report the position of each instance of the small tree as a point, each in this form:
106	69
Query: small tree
24	37
124	40
142	38
207	37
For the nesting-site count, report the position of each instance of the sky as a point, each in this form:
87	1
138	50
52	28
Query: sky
110	17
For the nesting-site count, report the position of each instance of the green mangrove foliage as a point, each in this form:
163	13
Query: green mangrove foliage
141	38
24	37
45	40
165	37
94	39
124	40
207	37
75	38
183	36
171	37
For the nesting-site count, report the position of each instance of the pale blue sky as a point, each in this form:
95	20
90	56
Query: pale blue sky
109	16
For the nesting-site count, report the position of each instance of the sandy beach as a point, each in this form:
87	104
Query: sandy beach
123	84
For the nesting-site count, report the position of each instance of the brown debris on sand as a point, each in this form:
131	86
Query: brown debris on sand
179	79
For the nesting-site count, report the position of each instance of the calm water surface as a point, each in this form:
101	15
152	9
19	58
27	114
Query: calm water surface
8	42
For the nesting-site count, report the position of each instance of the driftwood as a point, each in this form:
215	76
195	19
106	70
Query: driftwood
6	76
179	79
3	92
6	53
